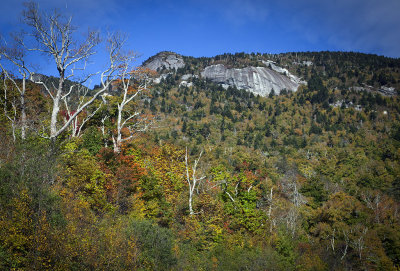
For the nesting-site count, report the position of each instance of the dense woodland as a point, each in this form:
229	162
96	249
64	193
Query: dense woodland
202	177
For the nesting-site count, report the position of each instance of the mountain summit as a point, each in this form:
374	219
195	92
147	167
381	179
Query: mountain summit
260	77
164	60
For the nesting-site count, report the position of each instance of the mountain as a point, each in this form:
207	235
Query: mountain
262	73
213	176
259	80
346	96
165	60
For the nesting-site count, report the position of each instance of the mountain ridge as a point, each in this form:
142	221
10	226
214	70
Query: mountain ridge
260	80
261	73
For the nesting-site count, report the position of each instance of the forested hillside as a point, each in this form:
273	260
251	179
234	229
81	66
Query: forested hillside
339	69
187	163
209	178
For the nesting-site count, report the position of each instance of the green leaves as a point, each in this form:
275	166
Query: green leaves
155	245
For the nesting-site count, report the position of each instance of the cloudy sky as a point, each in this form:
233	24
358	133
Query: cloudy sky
211	27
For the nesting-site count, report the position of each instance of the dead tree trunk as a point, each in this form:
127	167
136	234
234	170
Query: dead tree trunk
192	181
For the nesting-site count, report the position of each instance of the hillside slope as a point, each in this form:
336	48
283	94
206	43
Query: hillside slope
211	177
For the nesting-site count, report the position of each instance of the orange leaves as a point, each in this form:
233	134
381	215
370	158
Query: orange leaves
130	169
142	71
135	80
132	90
141	78
116	82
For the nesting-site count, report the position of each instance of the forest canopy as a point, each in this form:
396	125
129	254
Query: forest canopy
140	175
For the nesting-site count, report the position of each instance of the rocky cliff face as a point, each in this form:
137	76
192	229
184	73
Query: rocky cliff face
272	65
258	80
165	60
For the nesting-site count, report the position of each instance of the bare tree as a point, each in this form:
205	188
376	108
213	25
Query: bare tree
359	242
103	129
346	238
374	201
332	239
192	181
77	124
291	188
132	82
55	38
16	56
270	203
9	105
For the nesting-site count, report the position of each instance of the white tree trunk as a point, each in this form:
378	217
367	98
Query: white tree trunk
55	36
23	109
192	182
118	141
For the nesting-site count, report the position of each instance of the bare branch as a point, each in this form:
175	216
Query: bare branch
44	85
78	111
194	181
87	118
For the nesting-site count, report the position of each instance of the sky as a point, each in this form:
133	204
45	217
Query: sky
211	27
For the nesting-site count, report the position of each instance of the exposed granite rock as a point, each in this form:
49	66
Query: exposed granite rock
35	77
186	77
307	63
162	76
384	90
342	103
185	84
387	91
167	60
284	71
258	80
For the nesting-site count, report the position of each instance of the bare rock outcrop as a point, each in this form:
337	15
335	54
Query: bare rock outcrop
258	80
165	60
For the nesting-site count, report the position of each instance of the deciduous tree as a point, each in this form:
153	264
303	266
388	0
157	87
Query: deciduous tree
55	37
132	82
192	181
16	56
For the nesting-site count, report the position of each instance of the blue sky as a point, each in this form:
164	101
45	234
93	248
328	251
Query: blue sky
211	27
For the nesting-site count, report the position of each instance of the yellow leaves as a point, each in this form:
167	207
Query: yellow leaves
306	170
26	235
340	210
70	147
323	230
219	173
216	231
84	178
169	167
139	208
16	229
